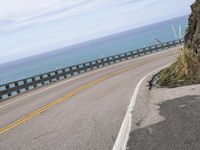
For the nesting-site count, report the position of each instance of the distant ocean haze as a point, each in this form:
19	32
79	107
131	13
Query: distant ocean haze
91	50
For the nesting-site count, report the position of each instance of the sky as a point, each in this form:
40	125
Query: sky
29	27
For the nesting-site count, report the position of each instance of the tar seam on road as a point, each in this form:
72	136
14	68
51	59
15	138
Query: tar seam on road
67	96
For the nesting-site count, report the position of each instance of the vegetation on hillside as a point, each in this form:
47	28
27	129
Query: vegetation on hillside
186	70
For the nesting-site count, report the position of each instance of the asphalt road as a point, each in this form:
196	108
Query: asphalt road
166	119
83	113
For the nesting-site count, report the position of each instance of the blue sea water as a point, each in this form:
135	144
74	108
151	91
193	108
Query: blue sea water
91	50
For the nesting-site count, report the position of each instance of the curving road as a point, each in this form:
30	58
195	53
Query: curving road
83	113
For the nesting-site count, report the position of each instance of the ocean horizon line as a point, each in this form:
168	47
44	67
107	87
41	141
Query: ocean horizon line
87	42
91	50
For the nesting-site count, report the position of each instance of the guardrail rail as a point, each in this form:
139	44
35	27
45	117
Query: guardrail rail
18	87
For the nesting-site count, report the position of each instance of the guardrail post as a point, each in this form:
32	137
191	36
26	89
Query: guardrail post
114	60
168	46
45	78
53	77
78	69
123	57
41	79
72	71
66	71
109	60
162	47
144	51
174	43
104	60
33	80
81	68
138	52
16	85
24	83
156	48
56	75
102	63
86	67
49	77
9	94
7	86
119	58
150	50
132	54
127	55
94	65
91	65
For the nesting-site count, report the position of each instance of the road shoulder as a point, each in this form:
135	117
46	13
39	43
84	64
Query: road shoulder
166	119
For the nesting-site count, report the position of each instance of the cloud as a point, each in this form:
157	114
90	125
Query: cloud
30	27
24	12
18	14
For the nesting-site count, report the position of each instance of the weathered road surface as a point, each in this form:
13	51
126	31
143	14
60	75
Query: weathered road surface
84	113
166	119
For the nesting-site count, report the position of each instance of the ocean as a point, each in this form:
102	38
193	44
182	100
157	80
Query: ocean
91	50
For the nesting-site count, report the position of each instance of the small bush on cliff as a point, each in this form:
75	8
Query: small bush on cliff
185	71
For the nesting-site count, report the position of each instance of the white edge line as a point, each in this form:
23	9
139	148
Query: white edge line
74	78
123	135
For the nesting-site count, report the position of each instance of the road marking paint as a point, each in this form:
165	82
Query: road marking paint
52	86
70	94
48	106
123	135
57	84
66	97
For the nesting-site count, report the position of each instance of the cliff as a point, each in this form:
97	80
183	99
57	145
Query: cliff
185	71
192	38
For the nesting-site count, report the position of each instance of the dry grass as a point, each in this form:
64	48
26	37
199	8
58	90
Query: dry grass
185	71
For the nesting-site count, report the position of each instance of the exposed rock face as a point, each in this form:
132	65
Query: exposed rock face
192	38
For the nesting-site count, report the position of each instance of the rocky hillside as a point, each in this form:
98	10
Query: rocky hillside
186	70
192	38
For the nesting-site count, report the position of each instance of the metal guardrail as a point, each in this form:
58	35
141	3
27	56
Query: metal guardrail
14	88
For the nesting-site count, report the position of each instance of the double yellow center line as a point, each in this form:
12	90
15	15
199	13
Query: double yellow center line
65	97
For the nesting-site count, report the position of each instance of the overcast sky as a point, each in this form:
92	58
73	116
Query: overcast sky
29	27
